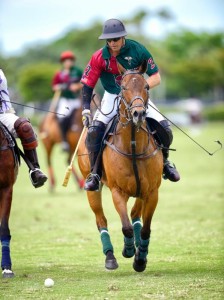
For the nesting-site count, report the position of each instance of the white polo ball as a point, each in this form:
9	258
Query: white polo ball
48	282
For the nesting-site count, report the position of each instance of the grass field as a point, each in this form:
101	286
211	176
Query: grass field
54	235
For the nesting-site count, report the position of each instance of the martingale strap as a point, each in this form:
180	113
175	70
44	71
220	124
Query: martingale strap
134	163
133	155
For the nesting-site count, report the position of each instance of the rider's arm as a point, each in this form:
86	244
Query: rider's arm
152	71
86	96
90	77
75	87
57	85
153	80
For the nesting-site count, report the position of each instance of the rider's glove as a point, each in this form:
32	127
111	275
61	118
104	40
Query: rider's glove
86	117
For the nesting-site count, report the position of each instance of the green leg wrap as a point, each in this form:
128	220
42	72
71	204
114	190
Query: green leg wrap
105	239
129	246
143	248
137	226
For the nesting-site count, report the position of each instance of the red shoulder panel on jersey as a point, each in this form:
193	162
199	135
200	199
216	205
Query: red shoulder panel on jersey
93	70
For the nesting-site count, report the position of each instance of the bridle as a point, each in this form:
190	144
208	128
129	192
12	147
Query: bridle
130	106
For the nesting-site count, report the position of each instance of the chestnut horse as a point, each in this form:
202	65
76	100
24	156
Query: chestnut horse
132	167
8	173
50	135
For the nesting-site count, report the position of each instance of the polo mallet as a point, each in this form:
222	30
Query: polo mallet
54	101
69	168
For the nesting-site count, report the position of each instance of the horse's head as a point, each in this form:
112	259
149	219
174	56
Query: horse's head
134	94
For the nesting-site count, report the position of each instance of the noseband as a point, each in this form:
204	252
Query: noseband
129	106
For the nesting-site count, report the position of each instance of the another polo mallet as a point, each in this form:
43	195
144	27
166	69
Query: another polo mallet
54	101
69	168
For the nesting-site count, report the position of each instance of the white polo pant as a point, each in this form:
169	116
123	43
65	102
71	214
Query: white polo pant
66	106
9	119
109	109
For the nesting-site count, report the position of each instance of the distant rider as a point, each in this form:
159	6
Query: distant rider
20	127
67	81
103	65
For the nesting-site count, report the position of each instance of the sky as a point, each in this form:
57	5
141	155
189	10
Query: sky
24	23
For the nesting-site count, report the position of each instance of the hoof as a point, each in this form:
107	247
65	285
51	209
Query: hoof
111	264
139	266
7	273
129	254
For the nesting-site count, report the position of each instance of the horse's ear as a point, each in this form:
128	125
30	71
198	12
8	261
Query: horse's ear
142	69
121	69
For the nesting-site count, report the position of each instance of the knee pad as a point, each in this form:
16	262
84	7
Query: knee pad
25	132
166	126
163	134
95	135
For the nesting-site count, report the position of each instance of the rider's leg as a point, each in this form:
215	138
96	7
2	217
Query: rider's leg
64	112
64	126
93	144
25	132
94	139
169	171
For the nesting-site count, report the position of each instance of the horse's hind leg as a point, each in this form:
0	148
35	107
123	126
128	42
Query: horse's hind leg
78	179
6	200
95	202
120	202
52	181
136	220
148	208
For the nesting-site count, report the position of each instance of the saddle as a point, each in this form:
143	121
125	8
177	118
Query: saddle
110	129
155	129
133	156
11	144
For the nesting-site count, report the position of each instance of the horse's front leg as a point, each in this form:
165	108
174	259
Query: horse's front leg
149	206
95	202
136	213
120	202
6	263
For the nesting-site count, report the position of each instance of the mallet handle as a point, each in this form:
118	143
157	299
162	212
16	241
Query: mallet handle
54	101
69	168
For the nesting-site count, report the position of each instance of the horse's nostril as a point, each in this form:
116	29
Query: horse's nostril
135	114
144	114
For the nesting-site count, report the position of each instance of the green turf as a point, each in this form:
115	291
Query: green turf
54	235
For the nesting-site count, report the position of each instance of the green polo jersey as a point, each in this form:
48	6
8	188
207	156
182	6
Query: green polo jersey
74	76
103	66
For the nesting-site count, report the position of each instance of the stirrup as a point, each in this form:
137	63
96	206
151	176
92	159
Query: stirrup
39	182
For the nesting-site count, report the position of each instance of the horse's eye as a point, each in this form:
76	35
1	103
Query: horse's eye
123	87
146	86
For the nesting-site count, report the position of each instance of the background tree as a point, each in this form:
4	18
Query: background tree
191	64
35	82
